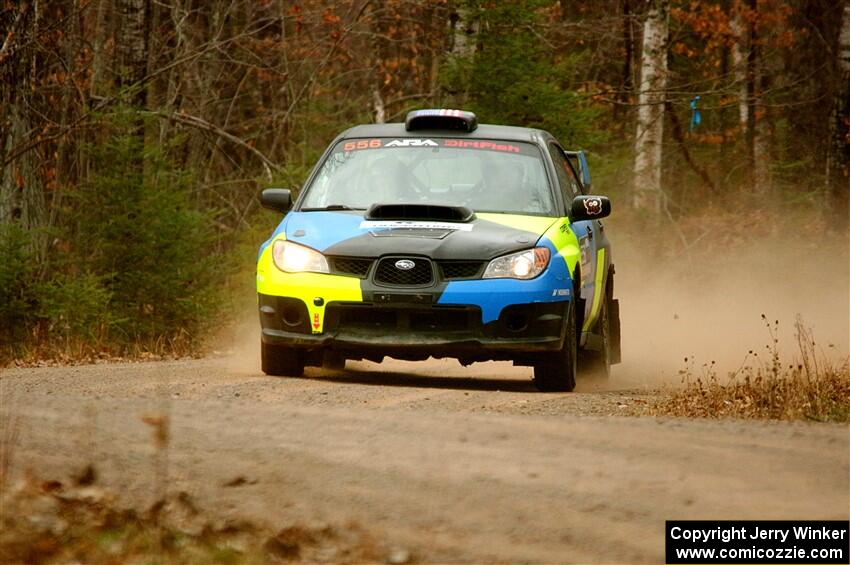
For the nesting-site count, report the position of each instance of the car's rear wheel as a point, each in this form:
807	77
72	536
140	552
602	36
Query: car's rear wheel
557	372
281	361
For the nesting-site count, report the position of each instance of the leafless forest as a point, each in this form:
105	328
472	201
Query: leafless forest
135	137
135	134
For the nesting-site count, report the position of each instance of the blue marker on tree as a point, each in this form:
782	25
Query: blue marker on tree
696	118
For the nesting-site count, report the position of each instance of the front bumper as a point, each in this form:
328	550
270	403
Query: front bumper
415	330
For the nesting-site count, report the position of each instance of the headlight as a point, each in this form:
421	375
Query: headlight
294	258
523	265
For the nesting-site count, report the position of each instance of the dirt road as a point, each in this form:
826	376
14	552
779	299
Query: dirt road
454	464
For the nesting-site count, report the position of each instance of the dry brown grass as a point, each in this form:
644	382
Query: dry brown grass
45	353
76	520
811	386
52	521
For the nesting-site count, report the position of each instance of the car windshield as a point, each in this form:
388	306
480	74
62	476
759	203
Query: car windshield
484	175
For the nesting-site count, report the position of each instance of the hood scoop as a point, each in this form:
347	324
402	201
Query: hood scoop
419	212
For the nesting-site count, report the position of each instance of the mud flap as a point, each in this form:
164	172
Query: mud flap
614	329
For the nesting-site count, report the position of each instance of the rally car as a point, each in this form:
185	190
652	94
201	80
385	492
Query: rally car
439	237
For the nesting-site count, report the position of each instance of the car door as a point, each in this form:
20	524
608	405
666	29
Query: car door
595	250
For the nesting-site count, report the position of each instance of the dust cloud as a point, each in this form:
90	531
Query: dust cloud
241	344
705	305
708	306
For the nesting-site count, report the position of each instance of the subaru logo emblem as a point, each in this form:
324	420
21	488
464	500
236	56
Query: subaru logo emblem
404	264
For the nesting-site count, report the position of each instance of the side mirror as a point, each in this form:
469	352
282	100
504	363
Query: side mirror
278	199
589	207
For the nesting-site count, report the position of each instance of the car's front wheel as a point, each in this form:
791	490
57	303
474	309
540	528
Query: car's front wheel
557	372
281	361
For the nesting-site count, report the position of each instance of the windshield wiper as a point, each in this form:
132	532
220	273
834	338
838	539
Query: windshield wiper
330	207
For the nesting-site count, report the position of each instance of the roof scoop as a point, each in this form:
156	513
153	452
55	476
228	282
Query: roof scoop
428	212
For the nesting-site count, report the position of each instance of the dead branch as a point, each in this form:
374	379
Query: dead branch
200	123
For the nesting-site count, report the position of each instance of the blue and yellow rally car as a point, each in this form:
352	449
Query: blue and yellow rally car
439	237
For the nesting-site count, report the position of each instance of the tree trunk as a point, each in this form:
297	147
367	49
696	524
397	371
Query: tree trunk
22	196
101	33
133	49
464	35
761	143
380	109
649	137
463	42
626	82
758	131
838	157
739	63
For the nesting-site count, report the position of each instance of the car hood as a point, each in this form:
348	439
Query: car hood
348	233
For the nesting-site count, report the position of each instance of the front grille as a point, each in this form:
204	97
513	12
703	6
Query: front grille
460	269
436	320
365	318
388	274
398	320
350	266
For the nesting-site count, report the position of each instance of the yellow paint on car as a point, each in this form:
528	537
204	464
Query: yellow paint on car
306	287
565	241
598	290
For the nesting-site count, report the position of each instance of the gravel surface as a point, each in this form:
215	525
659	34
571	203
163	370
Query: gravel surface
441	463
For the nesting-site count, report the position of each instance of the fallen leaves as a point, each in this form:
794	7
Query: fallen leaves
64	521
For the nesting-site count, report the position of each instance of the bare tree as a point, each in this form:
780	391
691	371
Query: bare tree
648	193
838	157
739	61
133	47
757	123
464	33
21	188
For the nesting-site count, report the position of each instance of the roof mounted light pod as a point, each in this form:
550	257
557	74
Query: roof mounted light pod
456	120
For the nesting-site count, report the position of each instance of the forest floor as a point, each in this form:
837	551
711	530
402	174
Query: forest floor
399	462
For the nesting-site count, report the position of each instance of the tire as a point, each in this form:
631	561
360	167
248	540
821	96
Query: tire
557	373
597	363
280	361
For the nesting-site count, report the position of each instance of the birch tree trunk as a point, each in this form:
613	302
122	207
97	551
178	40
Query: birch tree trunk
761	142
463	42
838	157
464	35
739	63
381	54
649	137
758	131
